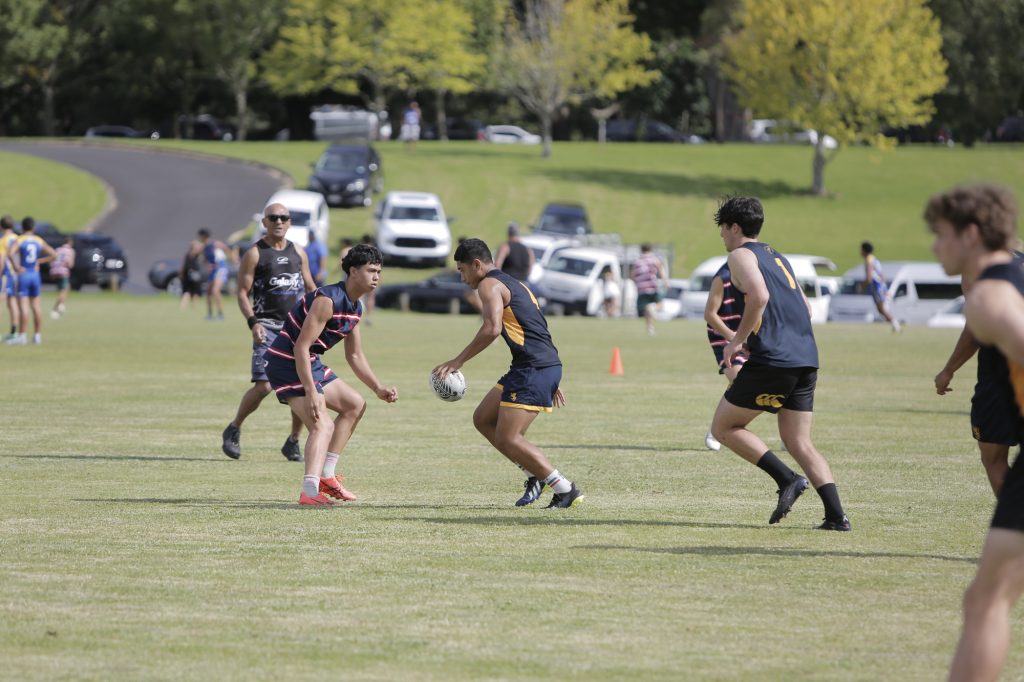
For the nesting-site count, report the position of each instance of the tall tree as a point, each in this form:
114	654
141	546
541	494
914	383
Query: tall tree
845	68
557	52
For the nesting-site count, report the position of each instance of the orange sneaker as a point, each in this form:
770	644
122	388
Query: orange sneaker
318	501
333	487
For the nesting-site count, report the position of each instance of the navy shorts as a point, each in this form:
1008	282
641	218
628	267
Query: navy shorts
284	379
1009	512
530	388
259	351
771	389
994	416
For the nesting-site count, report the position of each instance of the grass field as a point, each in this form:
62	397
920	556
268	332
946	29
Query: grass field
48	191
131	549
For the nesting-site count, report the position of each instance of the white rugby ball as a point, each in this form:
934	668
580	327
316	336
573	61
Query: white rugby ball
449	389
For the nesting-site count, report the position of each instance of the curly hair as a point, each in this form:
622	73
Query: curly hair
991	207
359	255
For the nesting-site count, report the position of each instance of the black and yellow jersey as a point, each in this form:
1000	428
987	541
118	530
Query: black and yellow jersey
783	336
523	326
1012	272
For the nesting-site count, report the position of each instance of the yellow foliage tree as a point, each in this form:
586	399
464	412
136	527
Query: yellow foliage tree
845	68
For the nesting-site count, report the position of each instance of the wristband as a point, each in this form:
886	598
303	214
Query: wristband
251	321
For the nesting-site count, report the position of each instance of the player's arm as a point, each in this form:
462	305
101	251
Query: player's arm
361	368
747	277
499	258
715	297
50	252
965	348
307	278
246	274
320	311
71	260
493	297
14	257
995	315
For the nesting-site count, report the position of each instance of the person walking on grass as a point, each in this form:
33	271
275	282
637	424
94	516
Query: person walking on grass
321	319
782	370
25	256
275	273
874	280
974	228
61	270
215	254
531	385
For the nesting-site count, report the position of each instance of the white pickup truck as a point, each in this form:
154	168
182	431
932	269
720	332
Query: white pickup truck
572	281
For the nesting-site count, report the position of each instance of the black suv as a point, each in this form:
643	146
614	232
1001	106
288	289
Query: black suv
348	175
559	218
98	258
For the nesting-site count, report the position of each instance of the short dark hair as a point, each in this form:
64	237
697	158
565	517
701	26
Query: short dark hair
991	207
28	224
747	212
867	247
203	232
360	255
473	249
7	223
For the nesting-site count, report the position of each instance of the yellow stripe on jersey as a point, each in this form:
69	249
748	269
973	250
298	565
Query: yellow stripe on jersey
512	326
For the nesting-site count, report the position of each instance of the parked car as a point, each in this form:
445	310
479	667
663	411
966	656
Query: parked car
646	130
917	290
308	211
119	131
572	284
412	228
950	317
563	219
441	293
767	130
672	303
99	259
166	274
544	246
510	135
348	175
205	127
1011	129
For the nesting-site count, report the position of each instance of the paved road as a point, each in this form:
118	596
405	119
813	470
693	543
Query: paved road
163	198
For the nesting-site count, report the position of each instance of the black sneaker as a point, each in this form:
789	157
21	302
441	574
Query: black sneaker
230	445
842	524
533	487
787	496
291	450
565	500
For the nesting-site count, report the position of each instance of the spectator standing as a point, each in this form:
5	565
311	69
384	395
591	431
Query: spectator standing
648	273
611	292
215	254
61	270
191	274
514	257
316	251
411	125
8	280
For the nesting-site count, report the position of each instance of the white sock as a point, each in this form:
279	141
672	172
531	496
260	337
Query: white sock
329	463
525	471
311	485
557	482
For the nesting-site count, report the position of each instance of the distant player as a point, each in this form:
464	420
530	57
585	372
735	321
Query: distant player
722	312
874	280
215	255
510	309
318	321
782	370
8	280
26	254
60	269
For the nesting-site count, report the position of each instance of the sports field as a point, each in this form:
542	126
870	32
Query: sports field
132	549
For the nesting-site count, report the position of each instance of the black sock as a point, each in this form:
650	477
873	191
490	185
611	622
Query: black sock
830	498
774	467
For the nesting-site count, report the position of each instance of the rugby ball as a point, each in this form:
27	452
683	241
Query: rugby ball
449	389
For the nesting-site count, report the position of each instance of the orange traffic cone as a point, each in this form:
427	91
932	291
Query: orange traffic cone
616	366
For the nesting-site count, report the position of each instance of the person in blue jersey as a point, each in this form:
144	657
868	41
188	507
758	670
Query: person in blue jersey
215	255
26	254
321	319
722	313
316	253
8	281
275	272
874	282
531	386
782	370
974	229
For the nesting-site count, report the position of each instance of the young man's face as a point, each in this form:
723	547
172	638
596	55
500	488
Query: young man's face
950	249
732	235
470	272
365	276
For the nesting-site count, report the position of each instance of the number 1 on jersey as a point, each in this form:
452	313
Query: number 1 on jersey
792	282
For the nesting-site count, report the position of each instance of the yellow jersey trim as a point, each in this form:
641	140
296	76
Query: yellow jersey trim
528	408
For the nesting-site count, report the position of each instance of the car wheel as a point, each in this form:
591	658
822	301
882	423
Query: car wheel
174	286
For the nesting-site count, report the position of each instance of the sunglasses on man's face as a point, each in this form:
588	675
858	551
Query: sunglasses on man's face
274	218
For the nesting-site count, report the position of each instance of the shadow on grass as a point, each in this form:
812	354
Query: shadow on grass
554	517
123	458
251	504
711	186
715	550
589	446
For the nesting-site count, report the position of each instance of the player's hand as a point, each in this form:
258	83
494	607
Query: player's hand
316	407
388	395
446	368
259	334
942	380
731	350
558	400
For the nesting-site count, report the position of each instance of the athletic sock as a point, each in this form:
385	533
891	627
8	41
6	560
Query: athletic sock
557	482
311	485
774	467
329	463
526	472
830	498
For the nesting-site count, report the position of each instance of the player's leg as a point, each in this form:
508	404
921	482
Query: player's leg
995	457
485	417
350	406
215	292
729	427
998	584
317	442
37	318
795	431
251	400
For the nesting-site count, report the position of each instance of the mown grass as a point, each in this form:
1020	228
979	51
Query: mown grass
50	191
130	548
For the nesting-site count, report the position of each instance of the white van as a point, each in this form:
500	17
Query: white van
412	228
308	210
917	290
818	288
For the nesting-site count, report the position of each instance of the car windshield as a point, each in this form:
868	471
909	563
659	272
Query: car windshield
299	218
937	291
538	253
414	213
852	285
572	266
348	160
562	223
701	283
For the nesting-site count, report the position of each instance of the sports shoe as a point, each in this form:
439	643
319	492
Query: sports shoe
843	524
711	443
332	487
291	450
318	501
565	500
54	315
533	487
16	340
230	445
787	496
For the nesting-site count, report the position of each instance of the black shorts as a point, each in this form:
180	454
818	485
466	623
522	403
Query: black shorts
770	389
1010	504
994	416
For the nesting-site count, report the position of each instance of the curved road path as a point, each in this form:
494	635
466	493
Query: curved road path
161	197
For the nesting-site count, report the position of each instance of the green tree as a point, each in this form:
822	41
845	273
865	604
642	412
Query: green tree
557	52
845	68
